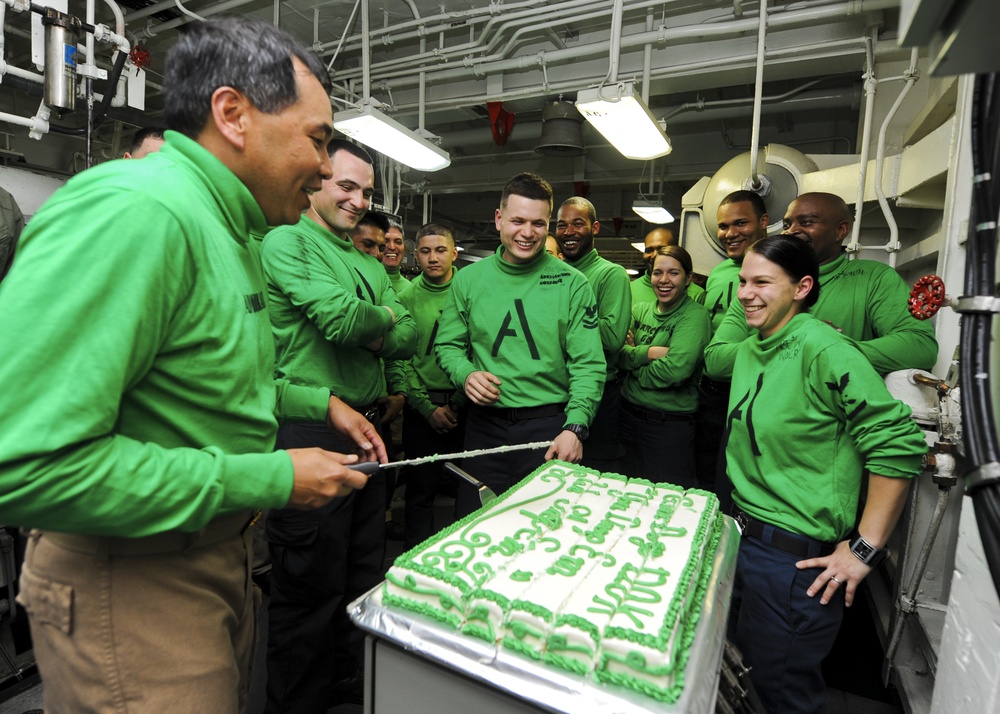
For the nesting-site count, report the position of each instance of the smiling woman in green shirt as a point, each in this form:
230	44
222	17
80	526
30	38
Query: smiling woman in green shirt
808	414
663	359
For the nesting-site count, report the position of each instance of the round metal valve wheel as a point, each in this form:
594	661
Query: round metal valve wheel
926	297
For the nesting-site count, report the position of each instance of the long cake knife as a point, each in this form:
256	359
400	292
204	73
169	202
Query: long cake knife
370	467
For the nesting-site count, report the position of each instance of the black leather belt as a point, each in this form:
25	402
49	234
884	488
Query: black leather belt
517	414
440	397
798	545
713	387
652	414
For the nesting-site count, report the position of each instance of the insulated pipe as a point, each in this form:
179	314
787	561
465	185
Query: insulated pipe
496	28
892	245
871	86
755	182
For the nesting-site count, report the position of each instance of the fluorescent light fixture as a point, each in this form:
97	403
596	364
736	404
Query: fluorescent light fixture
652	211
639	246
631	271
624	120
372	128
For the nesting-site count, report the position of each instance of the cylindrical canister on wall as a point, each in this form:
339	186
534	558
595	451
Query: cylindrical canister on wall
61	35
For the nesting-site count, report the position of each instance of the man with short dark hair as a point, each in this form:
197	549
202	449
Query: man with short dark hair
434	417
137	422
145	141
642	287
520	337
368	235
576	226
742	220
335	318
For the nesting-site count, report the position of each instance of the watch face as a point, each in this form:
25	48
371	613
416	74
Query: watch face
863	550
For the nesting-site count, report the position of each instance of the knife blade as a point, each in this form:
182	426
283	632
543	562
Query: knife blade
370	467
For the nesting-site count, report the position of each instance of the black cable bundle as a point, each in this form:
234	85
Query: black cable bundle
980	281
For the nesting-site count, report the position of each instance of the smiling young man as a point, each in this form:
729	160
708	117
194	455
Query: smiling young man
335	318
142	474
520	337
742	221
434	416
576	226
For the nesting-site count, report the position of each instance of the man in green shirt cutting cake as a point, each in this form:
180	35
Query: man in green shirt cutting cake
138	416
520	337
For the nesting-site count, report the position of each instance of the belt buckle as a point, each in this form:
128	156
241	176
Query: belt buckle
741	522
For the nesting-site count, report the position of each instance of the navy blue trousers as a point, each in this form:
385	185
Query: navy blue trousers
783	633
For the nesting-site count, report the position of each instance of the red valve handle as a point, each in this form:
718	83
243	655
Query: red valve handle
926	297
140	56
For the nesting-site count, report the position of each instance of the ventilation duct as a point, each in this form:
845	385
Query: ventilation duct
562	130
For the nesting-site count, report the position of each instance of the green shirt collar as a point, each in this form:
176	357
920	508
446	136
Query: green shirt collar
234	200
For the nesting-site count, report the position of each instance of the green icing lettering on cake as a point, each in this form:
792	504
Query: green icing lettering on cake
565	565
552	544
508	546
521	576
580	514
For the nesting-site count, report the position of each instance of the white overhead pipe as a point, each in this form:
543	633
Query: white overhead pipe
615	40
839	47
496	28
151	31
892	245
473	66
871	86
412	29
757	183
347	27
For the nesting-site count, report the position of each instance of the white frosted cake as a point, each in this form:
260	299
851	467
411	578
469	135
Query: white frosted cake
593	573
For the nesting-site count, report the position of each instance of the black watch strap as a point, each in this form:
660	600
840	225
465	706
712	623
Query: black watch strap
580	430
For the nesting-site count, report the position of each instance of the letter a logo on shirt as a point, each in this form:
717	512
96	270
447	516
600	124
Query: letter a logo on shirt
506	331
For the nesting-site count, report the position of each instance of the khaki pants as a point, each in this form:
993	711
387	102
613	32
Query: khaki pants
171	632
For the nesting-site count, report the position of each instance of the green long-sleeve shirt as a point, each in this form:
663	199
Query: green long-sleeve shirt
720	290
669	383
610	284
327	302
867	301
426	302
642	290
807	413
397	280
534	326
139	391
